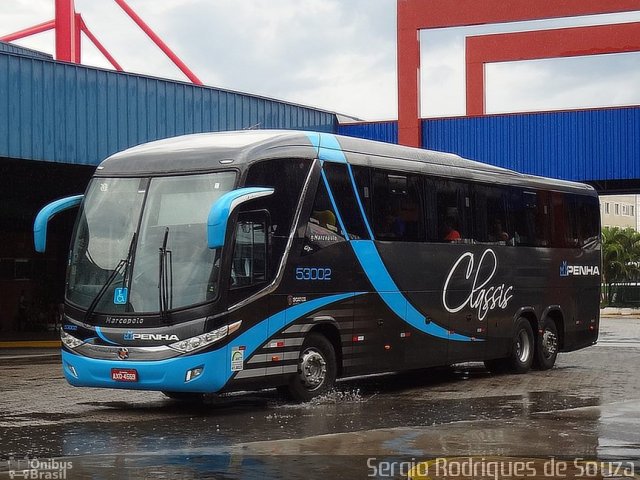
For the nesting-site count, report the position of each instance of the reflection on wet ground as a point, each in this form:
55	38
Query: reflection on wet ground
588	406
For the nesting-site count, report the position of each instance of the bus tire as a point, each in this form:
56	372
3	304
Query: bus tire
546	345
522	351
317	369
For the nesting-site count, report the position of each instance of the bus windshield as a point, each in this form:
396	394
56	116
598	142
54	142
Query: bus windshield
123	225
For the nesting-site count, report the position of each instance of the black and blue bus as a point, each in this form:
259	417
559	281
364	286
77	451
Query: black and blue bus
242	260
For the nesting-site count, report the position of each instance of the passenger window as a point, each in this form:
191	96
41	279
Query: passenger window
529	214
575	220
491	216
448	210
558	222
571	220
362	177
398	214
249	263
343	194
323	228
588	220
286	177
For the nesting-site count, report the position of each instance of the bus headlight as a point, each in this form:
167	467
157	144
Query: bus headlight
70	341
201	341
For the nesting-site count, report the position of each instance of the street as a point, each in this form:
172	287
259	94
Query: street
587	407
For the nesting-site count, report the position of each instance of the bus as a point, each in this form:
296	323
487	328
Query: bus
257	259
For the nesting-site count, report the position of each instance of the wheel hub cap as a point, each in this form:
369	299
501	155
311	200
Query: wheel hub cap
549	343
523	346
313	369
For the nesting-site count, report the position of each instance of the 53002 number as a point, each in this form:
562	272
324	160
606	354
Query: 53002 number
313	274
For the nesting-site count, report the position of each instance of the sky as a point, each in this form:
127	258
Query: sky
338	55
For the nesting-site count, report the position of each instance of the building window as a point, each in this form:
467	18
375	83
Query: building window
616	209
607	209
631	210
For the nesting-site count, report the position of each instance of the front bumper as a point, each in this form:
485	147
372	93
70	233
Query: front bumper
162	375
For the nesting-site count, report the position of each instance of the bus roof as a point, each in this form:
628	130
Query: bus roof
211	151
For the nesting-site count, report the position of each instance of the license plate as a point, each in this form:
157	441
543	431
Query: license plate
124	375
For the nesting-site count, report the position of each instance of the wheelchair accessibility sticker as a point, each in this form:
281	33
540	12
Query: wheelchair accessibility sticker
120	296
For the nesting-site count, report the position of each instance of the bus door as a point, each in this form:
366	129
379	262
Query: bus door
376	333
422	337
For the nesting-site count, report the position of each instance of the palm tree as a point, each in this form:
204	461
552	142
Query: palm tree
620	257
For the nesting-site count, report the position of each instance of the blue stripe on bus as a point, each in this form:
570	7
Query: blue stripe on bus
355	191
252	339
329	149
170	374
368	255
377	273
103	337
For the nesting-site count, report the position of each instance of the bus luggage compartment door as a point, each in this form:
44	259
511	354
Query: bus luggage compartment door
467	336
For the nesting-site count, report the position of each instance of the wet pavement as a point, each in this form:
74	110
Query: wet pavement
587	407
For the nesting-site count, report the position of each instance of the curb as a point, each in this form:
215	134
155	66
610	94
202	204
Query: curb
615	311
32	344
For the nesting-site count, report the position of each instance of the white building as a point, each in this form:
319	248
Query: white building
620	211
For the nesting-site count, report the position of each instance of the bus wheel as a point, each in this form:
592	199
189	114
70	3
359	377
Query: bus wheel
523	347
546	346
316	369
522	351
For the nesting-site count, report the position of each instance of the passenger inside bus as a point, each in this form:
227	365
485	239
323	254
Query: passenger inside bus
497	233
324	218
450	232
393	225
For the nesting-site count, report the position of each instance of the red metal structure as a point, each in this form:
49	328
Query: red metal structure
69	26
562	42
416	15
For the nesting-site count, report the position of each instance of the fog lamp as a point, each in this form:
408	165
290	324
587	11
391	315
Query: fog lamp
193	373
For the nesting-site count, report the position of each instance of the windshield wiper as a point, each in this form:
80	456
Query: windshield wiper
165	278
122	267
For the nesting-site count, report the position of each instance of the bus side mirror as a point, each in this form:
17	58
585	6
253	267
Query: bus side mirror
222	209
46	214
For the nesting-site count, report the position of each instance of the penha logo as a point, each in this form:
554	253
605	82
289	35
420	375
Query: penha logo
567	270
564	269
476	277
130	336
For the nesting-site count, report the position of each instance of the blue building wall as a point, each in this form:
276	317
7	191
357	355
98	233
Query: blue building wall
67	113
380	131
583	145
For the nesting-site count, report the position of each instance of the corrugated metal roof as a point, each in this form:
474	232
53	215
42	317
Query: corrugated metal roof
60	112
25	52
